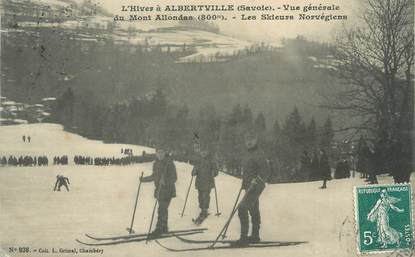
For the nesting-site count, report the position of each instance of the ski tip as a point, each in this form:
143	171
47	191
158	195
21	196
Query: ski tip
88	237
80	242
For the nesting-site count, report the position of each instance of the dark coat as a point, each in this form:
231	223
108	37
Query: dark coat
255	165
205	171
342	170
164	177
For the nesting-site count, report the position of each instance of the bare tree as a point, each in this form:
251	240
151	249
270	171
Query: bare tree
375	62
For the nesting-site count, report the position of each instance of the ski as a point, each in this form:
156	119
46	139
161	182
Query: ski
224	247
137	239
193	241
140	235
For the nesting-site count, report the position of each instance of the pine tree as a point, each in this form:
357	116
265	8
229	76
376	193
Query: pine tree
260	125
327	135
247	119
311	139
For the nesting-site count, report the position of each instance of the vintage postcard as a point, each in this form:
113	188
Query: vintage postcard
173	128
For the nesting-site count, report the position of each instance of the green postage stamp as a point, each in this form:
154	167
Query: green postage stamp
384	218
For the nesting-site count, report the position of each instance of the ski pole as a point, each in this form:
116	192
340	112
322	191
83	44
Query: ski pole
230	218
130	230
216	198
187	195
234	206
151	222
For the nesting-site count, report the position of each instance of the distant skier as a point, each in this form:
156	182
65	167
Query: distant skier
61	181
24	138
255	174
164	177
205	171
28	139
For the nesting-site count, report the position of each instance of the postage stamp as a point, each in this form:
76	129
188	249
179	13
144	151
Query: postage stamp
384	218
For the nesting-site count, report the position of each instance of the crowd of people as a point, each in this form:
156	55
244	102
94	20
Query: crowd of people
83	160
24	160
127	151
127	160
60	160
78	159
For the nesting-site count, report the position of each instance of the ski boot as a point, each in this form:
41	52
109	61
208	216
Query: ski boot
254	237
243	241
158	231
202	216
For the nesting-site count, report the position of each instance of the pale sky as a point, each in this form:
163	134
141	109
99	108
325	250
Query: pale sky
269	31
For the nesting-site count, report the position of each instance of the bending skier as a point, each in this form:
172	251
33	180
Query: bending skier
205	171
255	174
164	177
61	181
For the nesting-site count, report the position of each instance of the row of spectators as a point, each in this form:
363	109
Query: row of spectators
24	160
83	160
127	151
104	161
78	159
60	160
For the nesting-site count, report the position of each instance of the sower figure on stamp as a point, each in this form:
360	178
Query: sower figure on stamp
255	174
61	181
205	171
164	177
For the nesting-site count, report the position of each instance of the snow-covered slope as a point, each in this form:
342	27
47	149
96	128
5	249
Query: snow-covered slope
51	140
101	202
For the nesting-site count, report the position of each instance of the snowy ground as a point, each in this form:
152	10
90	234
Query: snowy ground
101	202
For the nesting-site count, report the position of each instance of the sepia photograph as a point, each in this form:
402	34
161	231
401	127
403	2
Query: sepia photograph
269	128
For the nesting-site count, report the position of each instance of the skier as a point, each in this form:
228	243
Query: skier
255	174
61	181
342	169
205	171
24	138
164	177
28	139
324	168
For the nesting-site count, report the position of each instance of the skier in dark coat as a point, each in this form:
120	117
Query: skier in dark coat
255	175
164	177
205	171
61	181
324	168
342	169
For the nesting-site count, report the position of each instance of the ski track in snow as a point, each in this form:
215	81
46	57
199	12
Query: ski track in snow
101	203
